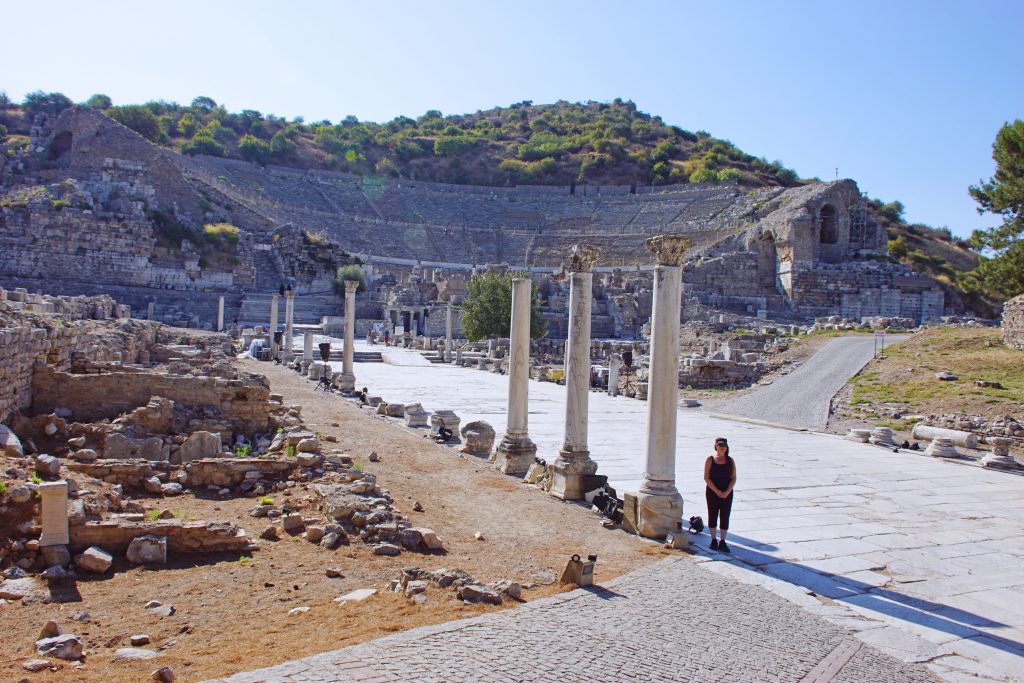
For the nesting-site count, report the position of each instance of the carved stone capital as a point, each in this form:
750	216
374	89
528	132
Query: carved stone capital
351	286
669	250
581	259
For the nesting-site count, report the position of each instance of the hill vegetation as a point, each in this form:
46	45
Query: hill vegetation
560	144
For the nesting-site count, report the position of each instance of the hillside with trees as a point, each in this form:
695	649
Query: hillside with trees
565	143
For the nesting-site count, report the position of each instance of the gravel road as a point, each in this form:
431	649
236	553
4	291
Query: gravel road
801	398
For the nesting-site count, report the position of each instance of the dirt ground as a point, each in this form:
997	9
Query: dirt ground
231	612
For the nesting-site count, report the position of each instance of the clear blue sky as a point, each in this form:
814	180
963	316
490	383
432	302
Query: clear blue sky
903	97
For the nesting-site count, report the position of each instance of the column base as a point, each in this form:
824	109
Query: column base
569	472
659	510
514	454
346	382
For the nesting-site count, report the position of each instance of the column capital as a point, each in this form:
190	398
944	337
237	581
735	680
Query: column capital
581	258
669	250
351	286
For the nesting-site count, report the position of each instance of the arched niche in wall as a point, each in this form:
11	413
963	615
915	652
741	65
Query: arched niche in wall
828	229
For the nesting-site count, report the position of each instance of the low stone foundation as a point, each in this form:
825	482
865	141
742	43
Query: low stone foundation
182	536
128	473
230	472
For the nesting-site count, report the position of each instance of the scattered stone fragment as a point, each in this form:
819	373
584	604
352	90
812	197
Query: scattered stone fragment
388	549
159	608
271	533
314	534
165	514
134	654
85	454
51	630
508	587
15	589
148	549
62	647
475	592
356	595
416	507
47	465
373	457
297	610
331	540
544	578
419	598
479	536
21	494
292	523
334	573
310	445
94	560
140	639
429	539
414	588
163	675
36	665
946	376
171	489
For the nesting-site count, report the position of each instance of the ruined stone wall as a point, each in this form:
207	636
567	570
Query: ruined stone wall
243	403
56	342
1013	322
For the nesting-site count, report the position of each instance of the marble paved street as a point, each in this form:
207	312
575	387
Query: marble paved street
672	621
923	558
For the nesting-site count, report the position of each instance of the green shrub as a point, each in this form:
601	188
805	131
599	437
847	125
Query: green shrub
703	175
242	451
203	143
36	479
727	174
349	272
138	118
266	500
3	488
453	146
3	132
221	231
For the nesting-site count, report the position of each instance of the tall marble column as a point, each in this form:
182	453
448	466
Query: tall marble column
659	505
516	451
274	302
289	313
448	334
573	463
347	382
220	314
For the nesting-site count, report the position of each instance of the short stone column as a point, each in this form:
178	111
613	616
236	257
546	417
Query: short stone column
307	347
289	313
54	500
220	314
613	374
347	381
448	334
274	303
573	463
150	310
516	451
659	505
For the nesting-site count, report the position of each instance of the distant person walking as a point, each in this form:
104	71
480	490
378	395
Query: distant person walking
720	477
387	338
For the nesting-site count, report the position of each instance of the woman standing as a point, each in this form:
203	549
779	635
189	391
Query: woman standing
720	476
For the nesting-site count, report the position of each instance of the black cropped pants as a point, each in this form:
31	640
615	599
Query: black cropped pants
718	506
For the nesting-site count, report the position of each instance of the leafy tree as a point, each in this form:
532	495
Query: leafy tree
5	100
204	103
1002	274
703	175
40	102
408	149
3	132
487	309
138	118
453	146
727	174
892	210
255	150
203	143
350	272
99	101
282	145
187	124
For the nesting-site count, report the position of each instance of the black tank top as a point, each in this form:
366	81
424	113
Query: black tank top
721	475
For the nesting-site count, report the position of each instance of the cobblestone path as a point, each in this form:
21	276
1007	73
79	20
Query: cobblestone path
671	621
